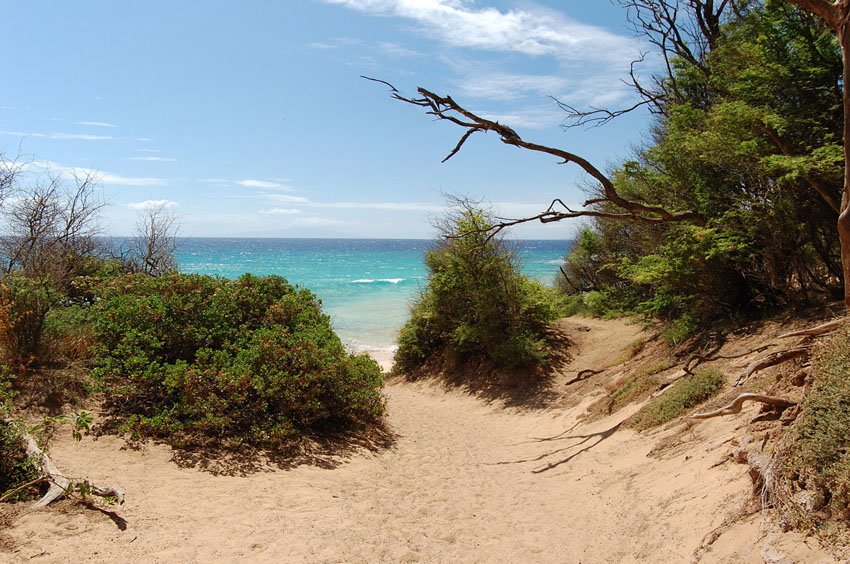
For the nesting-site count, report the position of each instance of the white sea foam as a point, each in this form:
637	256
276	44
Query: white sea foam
378	281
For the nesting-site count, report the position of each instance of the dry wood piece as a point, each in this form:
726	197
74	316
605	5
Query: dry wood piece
59	483
696	359
816	331
772	359
738	403
584	375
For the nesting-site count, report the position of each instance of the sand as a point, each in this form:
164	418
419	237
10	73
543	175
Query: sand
465	481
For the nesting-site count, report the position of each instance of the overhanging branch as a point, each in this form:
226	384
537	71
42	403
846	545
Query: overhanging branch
445	108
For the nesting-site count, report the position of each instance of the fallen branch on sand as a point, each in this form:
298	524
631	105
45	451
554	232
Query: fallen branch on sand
737	404
772	359
60	485
584	375
696	359
817	331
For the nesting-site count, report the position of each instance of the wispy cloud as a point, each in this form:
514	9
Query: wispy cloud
280	211
286	199
502	86
60	136
263	184
531	31
396	50
95	123
153	159
148	204
388	206
106	178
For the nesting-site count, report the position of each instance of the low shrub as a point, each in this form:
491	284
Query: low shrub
476	303
24	304
16	468
191	358
685	394
815	460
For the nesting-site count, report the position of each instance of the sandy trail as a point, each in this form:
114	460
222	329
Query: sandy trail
466	481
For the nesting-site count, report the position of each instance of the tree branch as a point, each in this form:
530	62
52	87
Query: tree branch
738	403
445	108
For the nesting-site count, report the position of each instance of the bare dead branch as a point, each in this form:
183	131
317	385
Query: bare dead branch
737	404
696	359
445	108
772	359
60	485
584	375
817	331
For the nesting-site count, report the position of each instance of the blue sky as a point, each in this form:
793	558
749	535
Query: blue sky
248	118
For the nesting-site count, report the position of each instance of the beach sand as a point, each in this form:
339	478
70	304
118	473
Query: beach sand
466	481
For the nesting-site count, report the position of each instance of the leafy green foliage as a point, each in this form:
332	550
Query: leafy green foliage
476	304
751	141
817	453
16	468
191	358
24	305
685	394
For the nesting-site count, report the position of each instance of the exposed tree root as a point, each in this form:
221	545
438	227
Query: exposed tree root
60	485
696	359
772	359
737	404
584	375
817	331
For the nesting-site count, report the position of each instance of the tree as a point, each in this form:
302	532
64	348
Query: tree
659	19
156	240
837	16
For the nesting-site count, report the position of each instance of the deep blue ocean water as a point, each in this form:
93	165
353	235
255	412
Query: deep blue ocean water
366	285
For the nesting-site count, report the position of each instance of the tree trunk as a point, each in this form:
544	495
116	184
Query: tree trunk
843	30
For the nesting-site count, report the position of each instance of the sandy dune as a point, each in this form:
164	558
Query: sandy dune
466	481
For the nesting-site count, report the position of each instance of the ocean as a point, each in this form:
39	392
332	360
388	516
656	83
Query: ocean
366	285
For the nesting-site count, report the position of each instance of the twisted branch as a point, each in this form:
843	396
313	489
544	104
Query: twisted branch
445	108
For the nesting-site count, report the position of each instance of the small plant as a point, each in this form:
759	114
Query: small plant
685	394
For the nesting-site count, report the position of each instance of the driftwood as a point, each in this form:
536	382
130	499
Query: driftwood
584	375
772	359
738	403
696	359
816	331
60	485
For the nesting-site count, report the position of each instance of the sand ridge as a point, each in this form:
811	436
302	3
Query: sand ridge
465	481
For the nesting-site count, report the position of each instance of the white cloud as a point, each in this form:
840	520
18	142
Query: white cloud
501	86
280	211
95	123
389	206
531	31
99	176
79	137
153	159
396	50
283	198
263	184
323	46
147	204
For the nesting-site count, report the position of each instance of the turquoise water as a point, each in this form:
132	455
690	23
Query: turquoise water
366	285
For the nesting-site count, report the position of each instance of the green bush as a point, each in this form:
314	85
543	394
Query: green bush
191	358
24	305
16	468
476	303
685	394
816	456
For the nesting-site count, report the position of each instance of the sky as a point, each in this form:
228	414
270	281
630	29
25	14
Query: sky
248	118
